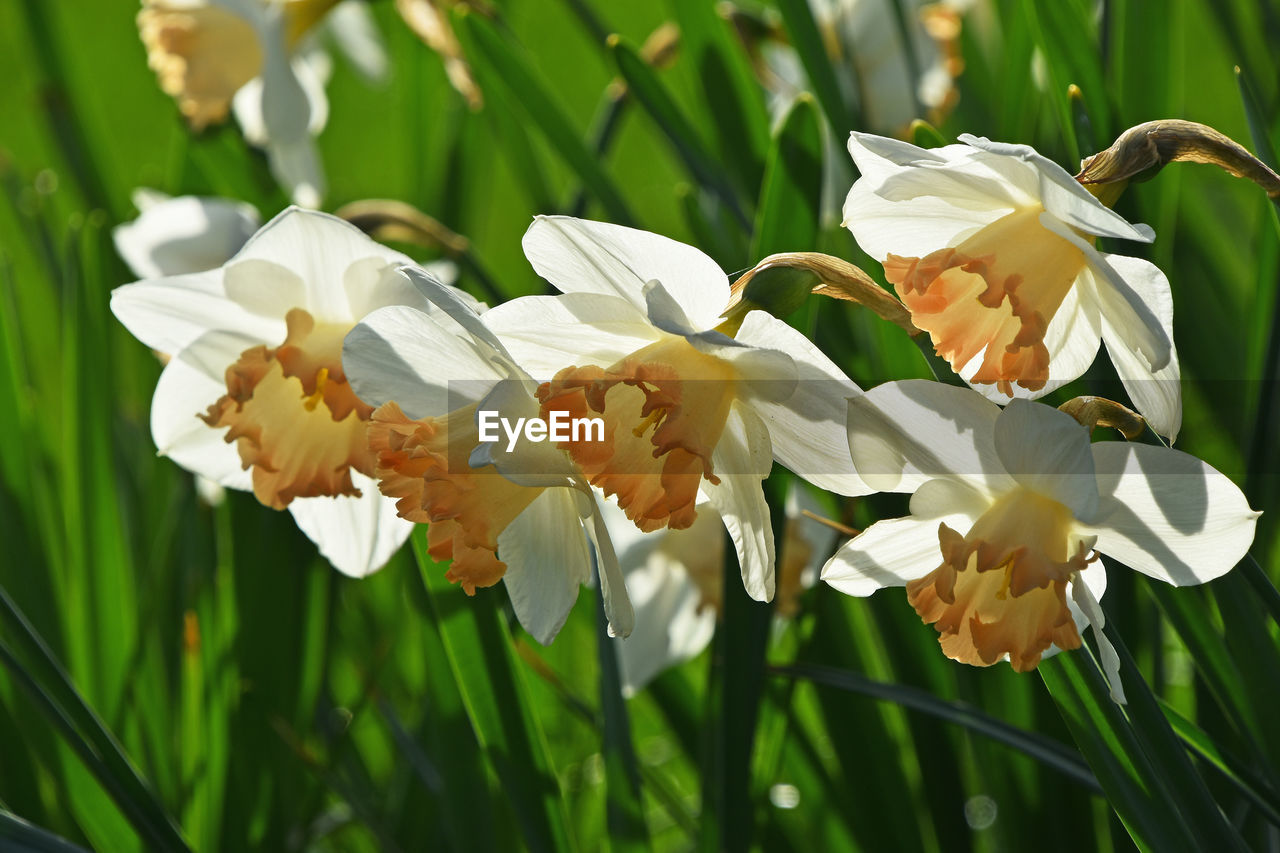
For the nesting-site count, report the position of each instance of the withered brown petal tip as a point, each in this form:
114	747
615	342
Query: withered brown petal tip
1152	145
1095	412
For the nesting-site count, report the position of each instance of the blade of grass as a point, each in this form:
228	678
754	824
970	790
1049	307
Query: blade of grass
85	731
790	198
651	94
21	837
1045	750
1134	790
497	700
797	15
530	95
625	803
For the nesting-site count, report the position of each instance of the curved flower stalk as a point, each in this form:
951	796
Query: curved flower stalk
260	60
691	404
676	582
254	395
515	509
991	248
1009	512
175	236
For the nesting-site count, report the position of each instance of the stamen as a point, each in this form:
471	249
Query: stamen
655	417
313	399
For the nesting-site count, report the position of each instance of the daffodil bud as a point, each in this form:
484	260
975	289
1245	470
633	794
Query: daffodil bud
1094	412
780	283
1143	150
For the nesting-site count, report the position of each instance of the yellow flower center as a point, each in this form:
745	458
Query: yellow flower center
994	294
294	418
664	408
424	464
1001	590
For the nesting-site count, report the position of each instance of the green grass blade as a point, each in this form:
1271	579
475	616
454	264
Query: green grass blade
1134	790
625	804
95	745
809	46
1043	749
531	96
18	836
497	700
1250	786
733	99
649	91
787	216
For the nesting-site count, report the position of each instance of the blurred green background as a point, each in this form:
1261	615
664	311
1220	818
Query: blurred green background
187	675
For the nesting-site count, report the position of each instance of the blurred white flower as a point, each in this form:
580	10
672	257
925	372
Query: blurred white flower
519	512
174	236
261	60
689	405
254	395
991	249
889	81
676	582
1009	511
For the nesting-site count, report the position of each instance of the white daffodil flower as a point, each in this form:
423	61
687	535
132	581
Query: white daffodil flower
515	509
260	60
676	582
1009	511
991	248
174	236
254	395
689	405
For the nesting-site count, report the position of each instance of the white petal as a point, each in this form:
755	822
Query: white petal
902	434
1072	338
807	429
401	354
184	235
613	588
317	248
1156	394
296	167
168	314
1047	451
578	255
546	334
1123	302
671	627
911	228
547	559
1062	195
741	459
1168	514
352	26
357	535
888	553
1092	611
182	394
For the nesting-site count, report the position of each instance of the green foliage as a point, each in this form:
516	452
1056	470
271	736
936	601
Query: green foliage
177	676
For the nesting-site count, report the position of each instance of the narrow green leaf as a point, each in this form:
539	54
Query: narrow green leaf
790	198
625	803
97	747
734	99
1099	728
531	96
809	46
644	85
1254	789
18	836
498	703
1045	750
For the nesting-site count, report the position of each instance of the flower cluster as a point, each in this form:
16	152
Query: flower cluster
340	380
